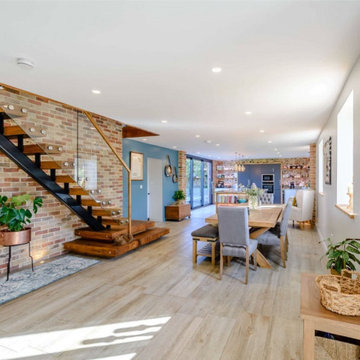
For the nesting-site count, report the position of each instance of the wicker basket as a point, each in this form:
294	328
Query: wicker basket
340	294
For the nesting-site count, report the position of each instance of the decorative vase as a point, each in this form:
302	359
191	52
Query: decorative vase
253	202
10	238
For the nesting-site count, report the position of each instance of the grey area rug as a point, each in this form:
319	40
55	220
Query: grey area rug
25	281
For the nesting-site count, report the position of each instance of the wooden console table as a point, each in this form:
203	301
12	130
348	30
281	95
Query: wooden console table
177	212
316	317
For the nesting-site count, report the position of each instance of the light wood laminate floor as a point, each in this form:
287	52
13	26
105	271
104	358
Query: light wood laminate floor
152	304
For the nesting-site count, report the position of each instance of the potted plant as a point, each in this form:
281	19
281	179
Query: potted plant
14	216
342	255
254	192
179	196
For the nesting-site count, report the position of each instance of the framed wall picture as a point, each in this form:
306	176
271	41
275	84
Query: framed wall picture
327	161
137	166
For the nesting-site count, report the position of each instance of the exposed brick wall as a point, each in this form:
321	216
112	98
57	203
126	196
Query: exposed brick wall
55	223
287	171
182	170
313	184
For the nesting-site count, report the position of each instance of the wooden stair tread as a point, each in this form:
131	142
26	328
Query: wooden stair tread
90	202
65	179
47	165
39	149
137	225
106	212
15	113
110	250
78	191
111	234
13	131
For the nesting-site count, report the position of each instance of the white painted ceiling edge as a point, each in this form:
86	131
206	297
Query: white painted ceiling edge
284	61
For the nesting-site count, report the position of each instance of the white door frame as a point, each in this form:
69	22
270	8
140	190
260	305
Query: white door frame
158	167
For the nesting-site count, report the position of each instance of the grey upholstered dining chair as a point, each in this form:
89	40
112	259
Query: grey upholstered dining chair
234	236
278	235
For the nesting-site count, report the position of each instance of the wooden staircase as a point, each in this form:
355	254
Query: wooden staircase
112	242
107	234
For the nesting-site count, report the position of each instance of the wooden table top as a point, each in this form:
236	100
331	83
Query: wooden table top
264	216
310	306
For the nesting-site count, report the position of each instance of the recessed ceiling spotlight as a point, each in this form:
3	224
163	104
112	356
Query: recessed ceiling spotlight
216	69
208	141
24	63
270	141
262	131
163	121
96	91
197	136
248	112
144	139
217	144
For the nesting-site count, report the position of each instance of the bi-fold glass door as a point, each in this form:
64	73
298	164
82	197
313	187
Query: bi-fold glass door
199	182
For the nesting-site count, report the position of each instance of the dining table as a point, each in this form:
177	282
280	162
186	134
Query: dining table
261	219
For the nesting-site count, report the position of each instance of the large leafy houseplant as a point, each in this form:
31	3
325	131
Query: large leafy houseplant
343	255
14	212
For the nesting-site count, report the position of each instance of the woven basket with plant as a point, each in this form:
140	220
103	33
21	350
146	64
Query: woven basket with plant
340	294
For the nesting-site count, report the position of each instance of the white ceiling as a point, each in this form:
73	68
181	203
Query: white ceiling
285	61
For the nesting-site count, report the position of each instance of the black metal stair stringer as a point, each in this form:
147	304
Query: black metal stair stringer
26	164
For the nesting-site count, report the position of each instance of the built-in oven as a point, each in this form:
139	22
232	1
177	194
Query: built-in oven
269	188
268	182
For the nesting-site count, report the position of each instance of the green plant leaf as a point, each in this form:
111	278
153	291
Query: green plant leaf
352	249
20	199
355	243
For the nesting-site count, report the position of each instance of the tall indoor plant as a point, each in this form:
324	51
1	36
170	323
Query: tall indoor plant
342	255
15	215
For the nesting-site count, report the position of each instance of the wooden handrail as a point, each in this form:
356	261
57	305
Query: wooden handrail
92	120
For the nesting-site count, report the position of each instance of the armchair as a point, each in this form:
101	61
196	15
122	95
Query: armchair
303	211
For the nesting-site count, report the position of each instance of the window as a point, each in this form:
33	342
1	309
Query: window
199	181
345	150
321	166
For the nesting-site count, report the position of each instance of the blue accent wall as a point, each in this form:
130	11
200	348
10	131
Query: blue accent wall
139	196
253	172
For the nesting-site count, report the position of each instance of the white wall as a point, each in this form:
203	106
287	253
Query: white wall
331	222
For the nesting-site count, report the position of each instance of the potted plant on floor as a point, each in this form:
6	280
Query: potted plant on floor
342	255
179	197
14	216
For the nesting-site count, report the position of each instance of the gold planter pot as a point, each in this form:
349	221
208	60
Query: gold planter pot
12	238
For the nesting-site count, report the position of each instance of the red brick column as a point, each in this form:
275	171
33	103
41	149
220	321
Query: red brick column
313	175
182	171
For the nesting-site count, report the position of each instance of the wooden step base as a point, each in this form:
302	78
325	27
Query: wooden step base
106	212
12	132
41	149
65	179
111	235
78	191
111	250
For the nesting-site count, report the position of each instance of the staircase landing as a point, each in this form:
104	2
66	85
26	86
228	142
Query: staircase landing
102	243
